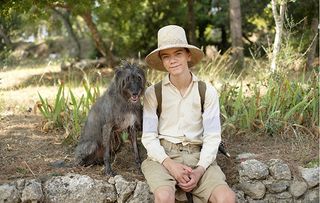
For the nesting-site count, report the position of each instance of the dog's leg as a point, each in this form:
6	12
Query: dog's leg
106	133
133	138
116	142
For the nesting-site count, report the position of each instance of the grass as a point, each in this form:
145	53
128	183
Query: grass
284	104
260	102
270	106
313	164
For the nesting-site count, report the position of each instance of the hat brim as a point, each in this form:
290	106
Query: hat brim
153	60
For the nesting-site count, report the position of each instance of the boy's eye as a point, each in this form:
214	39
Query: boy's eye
164	57
179	53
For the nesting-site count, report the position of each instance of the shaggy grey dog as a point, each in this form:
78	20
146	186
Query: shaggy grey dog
117	110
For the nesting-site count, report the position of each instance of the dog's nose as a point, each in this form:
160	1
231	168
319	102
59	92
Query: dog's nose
135	94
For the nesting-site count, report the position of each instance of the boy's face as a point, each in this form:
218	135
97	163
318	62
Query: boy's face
175	60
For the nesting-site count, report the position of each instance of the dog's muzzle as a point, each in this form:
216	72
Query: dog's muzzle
134	98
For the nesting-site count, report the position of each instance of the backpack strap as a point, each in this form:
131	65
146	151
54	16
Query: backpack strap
158	92
202	91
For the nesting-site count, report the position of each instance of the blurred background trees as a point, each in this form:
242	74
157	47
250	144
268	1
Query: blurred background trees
116	29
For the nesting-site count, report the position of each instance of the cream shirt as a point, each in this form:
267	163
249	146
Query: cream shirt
181	120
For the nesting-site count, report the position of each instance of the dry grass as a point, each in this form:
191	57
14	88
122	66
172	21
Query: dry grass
14	77
19	87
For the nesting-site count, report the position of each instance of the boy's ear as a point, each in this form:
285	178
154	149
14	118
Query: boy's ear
189	55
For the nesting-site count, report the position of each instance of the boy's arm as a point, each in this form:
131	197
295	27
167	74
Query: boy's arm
211	128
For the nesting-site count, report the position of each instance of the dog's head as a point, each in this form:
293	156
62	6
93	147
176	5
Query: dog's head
130	81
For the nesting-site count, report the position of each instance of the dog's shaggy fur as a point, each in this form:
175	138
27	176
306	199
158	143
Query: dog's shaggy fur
117	110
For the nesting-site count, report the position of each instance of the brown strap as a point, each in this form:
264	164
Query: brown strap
158	91
202	91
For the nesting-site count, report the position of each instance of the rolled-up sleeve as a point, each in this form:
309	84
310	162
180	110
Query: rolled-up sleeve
211	127
150	136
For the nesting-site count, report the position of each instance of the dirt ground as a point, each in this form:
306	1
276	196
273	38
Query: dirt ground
27	151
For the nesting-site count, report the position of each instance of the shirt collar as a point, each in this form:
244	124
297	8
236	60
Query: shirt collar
166	79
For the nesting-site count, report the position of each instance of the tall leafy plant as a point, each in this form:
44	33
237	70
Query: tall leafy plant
69	111
54	112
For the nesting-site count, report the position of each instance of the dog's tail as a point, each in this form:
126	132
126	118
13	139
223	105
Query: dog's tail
88	153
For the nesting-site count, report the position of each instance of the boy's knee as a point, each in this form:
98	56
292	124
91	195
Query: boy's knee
230	197
223	194
164	194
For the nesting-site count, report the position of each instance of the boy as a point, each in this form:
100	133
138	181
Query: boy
181	142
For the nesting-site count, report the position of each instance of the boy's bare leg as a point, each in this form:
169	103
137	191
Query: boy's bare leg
164	194
222	194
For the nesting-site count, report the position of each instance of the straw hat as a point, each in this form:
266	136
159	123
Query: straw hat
172	36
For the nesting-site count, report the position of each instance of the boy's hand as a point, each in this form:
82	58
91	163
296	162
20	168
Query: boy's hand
194	176
179	171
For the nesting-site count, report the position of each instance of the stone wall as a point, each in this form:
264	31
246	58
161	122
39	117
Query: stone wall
258	183
75	188
273	182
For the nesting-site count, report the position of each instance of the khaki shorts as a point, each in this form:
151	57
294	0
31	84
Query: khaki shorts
157	175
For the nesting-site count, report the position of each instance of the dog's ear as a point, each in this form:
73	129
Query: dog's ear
119	78
117	72
142	74
117	75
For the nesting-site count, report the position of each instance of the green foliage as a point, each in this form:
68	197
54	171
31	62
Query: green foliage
69	112
313	164
21	170
130	28
4	57
75	111
270	106
54	113
90	97
304	10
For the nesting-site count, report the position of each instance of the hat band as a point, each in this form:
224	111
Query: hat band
171	42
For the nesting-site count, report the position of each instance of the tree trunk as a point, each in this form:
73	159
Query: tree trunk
191	23
98	39
66	21
236	32
224	39
5	37
279	19
312	51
